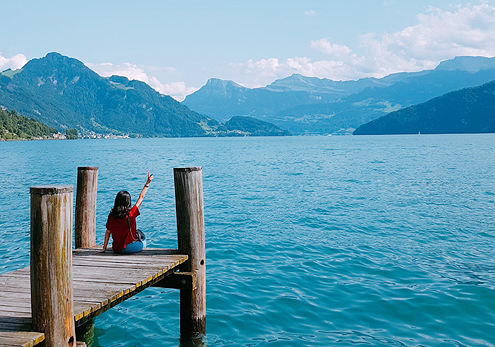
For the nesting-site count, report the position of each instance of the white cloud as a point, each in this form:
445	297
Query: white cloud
177	90
254	74
438	35
310	13
324	46
14	63
130	71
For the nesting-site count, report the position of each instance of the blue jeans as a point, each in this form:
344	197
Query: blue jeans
134	247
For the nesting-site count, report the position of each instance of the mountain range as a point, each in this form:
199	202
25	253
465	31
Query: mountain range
469	110
63	93
306	105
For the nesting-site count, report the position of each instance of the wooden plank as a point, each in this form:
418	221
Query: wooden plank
81	271
23	271
125	257
107	287
100	281
20	295
6	313
4	328
146	251
104	266
20	339
21	308
14	302
20	285
7	278
85	309
17	300
13	290
137	261
132	279
138	270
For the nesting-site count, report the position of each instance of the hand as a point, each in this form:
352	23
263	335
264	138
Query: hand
150	178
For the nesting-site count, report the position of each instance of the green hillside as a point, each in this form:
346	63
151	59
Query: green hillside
253	127
470	110
16	127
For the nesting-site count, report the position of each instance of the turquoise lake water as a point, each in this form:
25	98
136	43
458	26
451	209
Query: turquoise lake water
311	241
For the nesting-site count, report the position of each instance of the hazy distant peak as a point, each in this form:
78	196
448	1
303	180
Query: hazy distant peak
470	64
295	81
218	83
296	77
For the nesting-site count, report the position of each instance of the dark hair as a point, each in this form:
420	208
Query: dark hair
122	205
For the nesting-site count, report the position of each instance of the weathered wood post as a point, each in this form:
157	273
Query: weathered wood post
51	264
191	239
85	220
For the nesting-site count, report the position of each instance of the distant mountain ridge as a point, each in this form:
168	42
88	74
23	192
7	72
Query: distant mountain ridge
470	110
470	64
308	105
63	93
226	99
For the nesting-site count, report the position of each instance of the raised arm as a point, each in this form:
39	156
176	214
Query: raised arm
143	192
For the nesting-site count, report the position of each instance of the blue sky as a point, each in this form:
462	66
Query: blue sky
176	46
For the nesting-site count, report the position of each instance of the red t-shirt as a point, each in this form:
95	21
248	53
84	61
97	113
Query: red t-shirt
120	229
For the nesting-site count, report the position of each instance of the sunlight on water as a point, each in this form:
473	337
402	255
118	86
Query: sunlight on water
310	240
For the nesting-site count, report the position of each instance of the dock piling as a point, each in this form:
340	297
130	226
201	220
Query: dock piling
85	219
51	264
191	240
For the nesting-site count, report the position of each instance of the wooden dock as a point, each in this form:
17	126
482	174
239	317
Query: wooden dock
100	281
63	288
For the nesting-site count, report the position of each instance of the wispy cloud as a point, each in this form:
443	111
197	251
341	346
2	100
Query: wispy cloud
438	35
14	63
310	13
177	90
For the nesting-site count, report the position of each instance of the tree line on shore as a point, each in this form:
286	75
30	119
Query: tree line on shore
17	127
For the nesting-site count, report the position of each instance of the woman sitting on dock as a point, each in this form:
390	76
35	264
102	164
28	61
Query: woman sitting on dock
121	222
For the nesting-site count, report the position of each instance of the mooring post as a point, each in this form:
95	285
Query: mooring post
191	239
85	220
51	264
